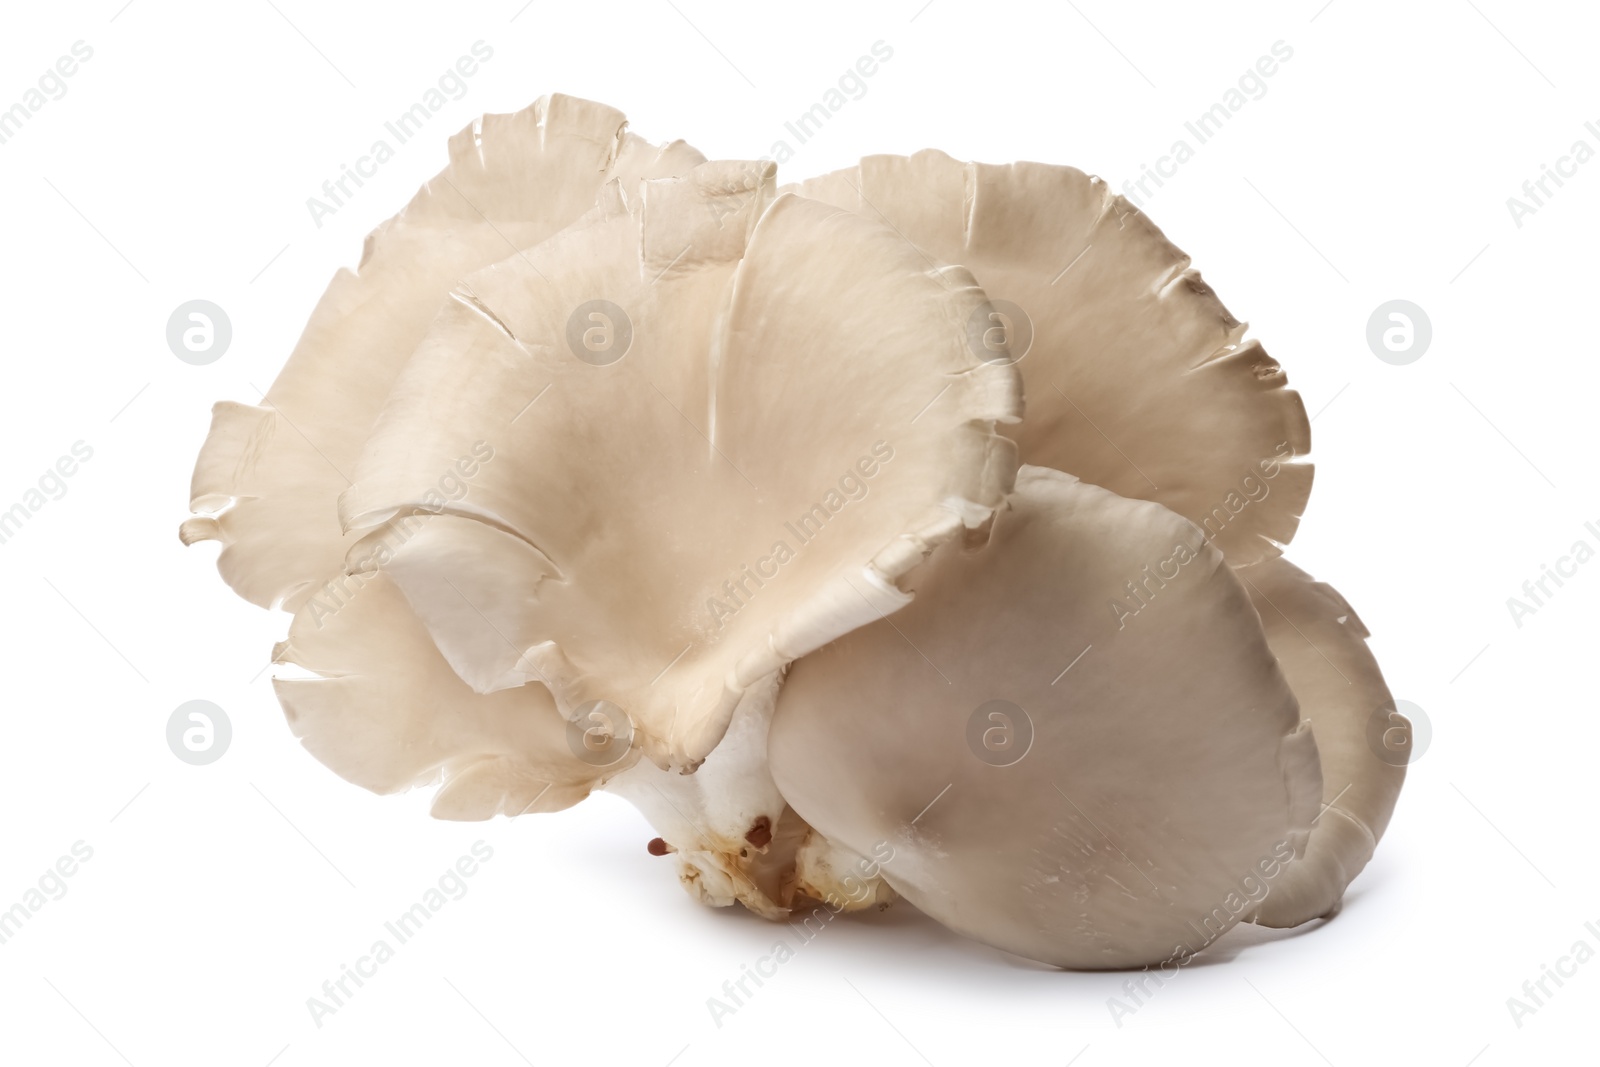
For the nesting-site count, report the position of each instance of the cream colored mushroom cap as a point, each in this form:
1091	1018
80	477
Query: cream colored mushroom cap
725	426
385	711
1144	777
267	481
1321	646
1138	379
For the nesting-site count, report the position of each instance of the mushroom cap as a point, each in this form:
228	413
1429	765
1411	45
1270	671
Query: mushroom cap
780	416
1088	786
1321	647
1138	379
387	713
268	477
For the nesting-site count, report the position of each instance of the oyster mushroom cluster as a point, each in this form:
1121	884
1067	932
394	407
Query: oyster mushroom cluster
611	467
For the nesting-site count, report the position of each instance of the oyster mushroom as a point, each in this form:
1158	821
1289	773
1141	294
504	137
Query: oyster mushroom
773	420
781	418
387	712
735	837
730	829
268	476
1321	646
1138	379
1146	776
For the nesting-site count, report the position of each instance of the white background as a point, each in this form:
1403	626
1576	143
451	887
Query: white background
218	898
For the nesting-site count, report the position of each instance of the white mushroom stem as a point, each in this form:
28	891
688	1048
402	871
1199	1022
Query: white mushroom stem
725	822
841	877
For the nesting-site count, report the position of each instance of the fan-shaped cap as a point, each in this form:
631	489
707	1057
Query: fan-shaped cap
1321	646
388	713
761	413
268	476
1138	379
1095	760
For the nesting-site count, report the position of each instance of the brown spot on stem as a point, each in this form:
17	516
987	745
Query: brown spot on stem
760	834
657	847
